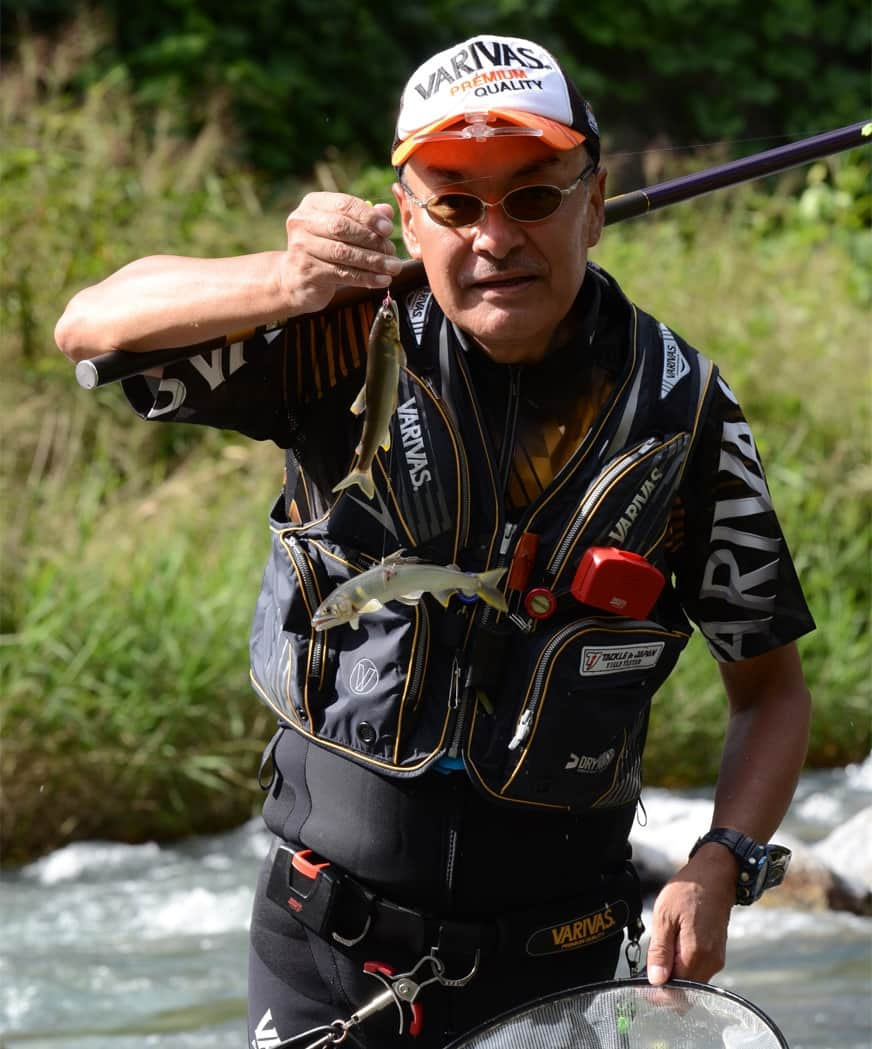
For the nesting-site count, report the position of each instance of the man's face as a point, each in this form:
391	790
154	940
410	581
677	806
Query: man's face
508	284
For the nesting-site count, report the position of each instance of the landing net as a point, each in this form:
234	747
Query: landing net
631	1014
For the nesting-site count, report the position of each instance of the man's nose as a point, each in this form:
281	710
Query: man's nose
497	234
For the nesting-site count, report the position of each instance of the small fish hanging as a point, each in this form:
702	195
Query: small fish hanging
404	579
378	398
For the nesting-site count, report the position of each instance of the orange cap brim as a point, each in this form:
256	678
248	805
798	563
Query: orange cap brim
554	134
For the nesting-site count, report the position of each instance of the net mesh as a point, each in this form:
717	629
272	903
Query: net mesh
632	1015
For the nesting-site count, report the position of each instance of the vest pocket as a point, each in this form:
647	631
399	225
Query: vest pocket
575	739
355	690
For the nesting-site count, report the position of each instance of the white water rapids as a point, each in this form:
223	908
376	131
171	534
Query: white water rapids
121	946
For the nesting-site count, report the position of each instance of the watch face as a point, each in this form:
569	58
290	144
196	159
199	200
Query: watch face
778	861
761	866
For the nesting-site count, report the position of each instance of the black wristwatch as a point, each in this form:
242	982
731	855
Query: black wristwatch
761	867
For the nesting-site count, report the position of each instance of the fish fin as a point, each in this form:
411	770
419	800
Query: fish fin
487	589
398	557
410	599
354	622
363	480
373	605
359	405
386	443
444	596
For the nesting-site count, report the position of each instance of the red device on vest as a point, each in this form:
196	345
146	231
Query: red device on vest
617	581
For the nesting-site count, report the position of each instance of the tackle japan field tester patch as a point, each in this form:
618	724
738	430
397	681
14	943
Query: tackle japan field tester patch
490	86
600	659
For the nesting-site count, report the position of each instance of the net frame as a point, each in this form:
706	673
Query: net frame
526	1027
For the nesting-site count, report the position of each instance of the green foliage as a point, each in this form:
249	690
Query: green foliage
132	552
122	687
300	78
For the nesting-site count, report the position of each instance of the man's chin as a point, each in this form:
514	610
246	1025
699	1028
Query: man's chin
509	330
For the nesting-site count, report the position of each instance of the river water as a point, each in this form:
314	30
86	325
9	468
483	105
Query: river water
121	946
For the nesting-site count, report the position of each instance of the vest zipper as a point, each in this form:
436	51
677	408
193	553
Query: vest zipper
456	703
313	599
487	613
422	645
537	688
525	721
591	498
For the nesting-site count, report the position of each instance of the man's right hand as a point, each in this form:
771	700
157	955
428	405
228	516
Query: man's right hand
335	240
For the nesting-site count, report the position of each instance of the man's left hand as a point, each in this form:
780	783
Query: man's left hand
691	914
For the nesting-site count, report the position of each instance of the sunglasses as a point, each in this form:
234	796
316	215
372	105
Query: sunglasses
526	204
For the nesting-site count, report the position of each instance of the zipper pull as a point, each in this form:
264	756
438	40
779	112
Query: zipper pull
522	730
454	686
522	623
508	533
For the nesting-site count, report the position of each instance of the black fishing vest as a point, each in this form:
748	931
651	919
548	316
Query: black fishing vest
549	713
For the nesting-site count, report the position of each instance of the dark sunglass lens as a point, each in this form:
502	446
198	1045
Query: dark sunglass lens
455	209
533	202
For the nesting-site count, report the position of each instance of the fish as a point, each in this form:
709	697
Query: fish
405	579
378	398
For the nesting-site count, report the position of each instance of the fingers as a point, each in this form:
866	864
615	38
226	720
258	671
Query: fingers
689	932
336	239
670	997
661	950
386	211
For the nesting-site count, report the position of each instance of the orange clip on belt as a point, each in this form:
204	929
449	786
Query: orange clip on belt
309	870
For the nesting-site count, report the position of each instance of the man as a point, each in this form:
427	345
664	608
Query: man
453	787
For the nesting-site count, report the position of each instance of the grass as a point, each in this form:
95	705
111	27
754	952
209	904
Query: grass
132	553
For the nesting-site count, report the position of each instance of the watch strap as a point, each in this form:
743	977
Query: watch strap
753	857
741	846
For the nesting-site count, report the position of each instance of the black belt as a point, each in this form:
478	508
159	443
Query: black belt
338	908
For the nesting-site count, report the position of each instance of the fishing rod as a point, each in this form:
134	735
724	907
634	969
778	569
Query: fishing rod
122	364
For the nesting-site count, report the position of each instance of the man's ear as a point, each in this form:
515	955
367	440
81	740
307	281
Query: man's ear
597	207
406	211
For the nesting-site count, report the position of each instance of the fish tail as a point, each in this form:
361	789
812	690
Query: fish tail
487	589
363	480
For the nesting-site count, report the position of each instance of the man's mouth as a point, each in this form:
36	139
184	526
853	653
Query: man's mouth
503	281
